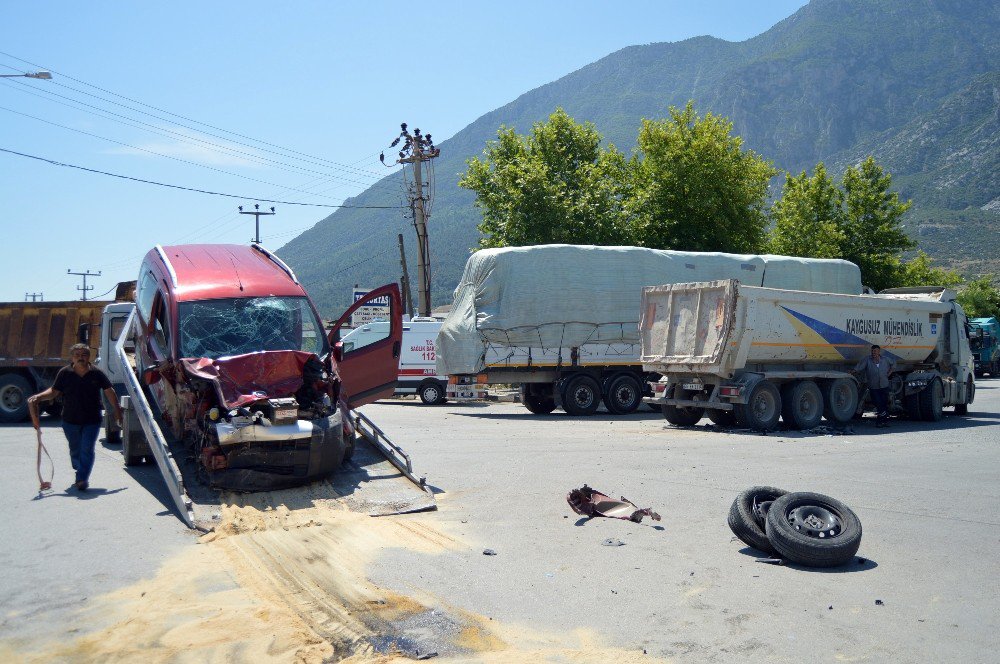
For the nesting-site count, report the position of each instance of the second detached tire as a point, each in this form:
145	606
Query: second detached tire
813	530
748	513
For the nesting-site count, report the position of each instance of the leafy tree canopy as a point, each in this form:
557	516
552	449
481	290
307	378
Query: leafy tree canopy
980	298
918	271
808	218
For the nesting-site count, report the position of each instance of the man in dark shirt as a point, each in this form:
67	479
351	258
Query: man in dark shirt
876	371
80	386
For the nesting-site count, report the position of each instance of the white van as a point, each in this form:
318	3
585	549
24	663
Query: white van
417	358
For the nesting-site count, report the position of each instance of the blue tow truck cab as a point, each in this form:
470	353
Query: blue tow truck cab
984	339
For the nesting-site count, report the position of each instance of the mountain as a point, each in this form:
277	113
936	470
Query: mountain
913	82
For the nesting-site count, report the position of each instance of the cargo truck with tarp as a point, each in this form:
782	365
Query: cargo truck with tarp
562	321
750	355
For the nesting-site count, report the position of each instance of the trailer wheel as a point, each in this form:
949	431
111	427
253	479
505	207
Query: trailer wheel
132	437
14	392
432	393
970	396
763	407
681	416
802	404
623	395
840	399
581	395
748	513
535	403
932	401
812	529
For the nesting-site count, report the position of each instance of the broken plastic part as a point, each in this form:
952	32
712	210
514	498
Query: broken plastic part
590	502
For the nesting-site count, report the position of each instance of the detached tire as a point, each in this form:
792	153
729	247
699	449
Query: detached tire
813	530
748	514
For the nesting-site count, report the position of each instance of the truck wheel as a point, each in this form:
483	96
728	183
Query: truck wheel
536	403
932	401
581	395
14	392
802	404
763	407
724	418
682	416
432	393
840	399
132	437
813	530
748	514
623	395
970	396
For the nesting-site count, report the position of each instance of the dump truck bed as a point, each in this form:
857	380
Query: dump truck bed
39	334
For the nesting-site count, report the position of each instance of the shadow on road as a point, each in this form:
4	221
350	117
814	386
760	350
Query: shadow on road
857	564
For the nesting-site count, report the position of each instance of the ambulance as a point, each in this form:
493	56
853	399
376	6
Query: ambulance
417	358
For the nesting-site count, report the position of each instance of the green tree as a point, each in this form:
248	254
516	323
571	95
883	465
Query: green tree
697	189
918	271
873	234
554	185
980	298
808	218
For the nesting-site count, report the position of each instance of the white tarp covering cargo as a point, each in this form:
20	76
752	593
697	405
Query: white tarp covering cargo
568	296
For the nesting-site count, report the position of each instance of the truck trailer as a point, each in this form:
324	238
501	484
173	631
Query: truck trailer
35	338
561	321
748	355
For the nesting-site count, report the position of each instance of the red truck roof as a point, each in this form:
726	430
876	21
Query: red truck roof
210	271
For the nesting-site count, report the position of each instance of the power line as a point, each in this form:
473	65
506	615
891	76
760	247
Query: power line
199	191
182	117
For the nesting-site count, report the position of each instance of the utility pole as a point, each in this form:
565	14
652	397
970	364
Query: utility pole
85	287
407	296
417	149
257	215
35	297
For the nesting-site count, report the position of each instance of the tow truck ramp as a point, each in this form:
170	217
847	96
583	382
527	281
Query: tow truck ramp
378	480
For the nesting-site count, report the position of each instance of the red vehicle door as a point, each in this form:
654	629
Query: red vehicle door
369	373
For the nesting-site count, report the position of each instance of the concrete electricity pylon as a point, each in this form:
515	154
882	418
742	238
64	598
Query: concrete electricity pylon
35	297
84	275
257	214
417	149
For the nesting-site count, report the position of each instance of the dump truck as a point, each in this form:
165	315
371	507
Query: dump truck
749	355
35	338
232	383
984	337
561	321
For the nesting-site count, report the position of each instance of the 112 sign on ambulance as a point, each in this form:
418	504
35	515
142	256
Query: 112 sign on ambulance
417	358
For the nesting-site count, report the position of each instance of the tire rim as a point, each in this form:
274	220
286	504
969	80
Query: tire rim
583	397
815	521
759	510
624	396
809	407
431	394
11	398
764	406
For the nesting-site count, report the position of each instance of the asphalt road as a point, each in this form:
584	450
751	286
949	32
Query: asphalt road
928	496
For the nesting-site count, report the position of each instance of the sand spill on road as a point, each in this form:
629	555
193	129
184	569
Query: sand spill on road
289	585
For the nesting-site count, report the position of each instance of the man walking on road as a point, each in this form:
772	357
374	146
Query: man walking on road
80	385
876	372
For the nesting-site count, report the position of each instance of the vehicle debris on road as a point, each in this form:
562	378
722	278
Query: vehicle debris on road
590	503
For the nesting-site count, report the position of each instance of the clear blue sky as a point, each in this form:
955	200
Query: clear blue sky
324	79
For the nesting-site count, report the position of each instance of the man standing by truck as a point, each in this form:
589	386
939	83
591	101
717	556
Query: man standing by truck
876	370
80	385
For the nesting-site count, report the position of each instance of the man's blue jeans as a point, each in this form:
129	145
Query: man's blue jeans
82	441
880	397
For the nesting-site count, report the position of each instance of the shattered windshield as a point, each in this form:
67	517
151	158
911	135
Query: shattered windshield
235	326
